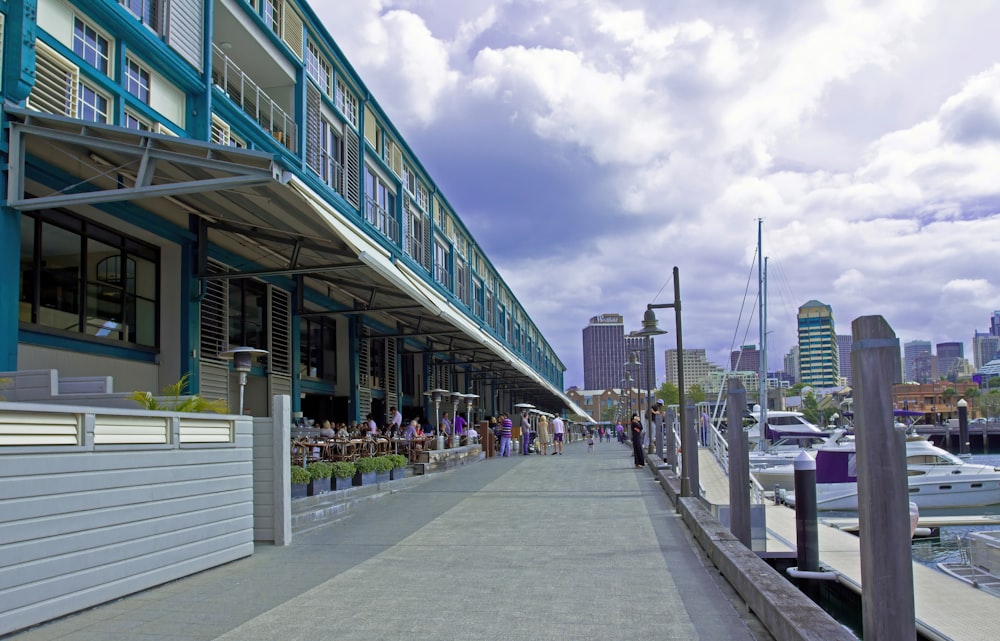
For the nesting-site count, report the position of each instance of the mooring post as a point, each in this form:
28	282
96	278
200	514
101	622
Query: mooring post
963	426
739	463
888	609
690	471
806	532
671	440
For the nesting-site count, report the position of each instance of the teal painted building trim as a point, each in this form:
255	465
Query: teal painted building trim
10	263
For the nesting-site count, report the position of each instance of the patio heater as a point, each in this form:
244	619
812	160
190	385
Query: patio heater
242	358
469	398
455	398
436	395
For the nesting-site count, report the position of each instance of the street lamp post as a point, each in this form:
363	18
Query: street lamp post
650	326
647	335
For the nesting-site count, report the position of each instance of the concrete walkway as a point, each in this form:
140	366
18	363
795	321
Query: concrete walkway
581	546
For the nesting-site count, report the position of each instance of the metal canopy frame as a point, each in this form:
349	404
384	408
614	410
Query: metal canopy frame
244	204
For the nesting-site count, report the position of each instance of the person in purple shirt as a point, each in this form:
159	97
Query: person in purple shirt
506	430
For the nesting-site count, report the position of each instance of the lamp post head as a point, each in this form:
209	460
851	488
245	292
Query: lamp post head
650	326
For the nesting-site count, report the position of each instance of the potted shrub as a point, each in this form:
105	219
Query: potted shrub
342	473
399	463
382	466
320	473
365	471
300	482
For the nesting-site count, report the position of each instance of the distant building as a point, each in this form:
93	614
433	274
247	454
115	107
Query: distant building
950	357
746	359
697	369
995	324
604	352
985	348
919	365
844	343
610	404
819	358
792	364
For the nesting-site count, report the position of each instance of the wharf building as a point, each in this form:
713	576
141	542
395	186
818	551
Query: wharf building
186	176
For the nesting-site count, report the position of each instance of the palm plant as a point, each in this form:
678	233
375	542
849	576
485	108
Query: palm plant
170	400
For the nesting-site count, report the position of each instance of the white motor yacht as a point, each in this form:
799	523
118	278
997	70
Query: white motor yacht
937	479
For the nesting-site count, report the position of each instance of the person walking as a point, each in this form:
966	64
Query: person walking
636	432
558	433
525	434
506	430
543	435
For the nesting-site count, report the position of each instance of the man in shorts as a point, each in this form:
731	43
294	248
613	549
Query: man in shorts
558	430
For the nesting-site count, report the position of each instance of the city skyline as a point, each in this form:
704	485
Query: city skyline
589	147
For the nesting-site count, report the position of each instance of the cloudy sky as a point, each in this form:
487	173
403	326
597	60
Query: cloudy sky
592	145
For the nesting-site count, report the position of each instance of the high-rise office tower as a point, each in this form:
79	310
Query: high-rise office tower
950	357
985	348
819	359
844	343
917	362
604	352
746	359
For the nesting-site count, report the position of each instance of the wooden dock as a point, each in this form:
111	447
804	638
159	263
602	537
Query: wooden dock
946	608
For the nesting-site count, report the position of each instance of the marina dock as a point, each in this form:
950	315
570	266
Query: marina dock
946	608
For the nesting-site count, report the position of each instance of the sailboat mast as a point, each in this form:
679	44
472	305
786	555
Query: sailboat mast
762	322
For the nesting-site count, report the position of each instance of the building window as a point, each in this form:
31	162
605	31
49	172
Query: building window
147	11
318	349
441	263
272	15
346	102
88	280
137	80
247	322
90	45
132	121
331	155
318	68
91	104
380	206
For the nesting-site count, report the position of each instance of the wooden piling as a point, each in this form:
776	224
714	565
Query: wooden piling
883	498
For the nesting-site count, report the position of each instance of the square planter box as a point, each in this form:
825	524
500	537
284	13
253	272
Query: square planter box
364	479
399	473
381	477
300	491
342	483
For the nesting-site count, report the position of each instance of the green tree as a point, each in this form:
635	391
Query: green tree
696	394
948	395
811	410
990	403
668	393
795	390
971	396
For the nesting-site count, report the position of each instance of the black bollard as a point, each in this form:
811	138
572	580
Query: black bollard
806	534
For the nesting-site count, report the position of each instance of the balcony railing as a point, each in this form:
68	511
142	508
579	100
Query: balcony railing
253	100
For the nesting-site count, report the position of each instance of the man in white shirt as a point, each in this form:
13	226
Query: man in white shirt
396	422
558	430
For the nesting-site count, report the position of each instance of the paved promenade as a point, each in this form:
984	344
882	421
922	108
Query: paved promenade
575	547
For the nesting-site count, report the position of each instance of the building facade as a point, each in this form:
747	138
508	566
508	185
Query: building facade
950	359
985	348
187	177
604	352
745	359
919	365
697	369
819	358
844	343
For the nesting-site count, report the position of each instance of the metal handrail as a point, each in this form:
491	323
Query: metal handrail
253	100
